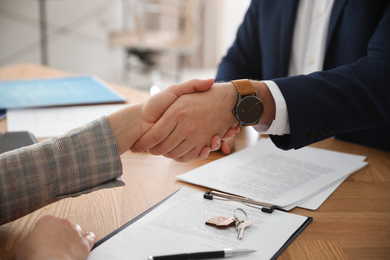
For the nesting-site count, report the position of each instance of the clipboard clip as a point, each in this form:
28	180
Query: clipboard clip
265	207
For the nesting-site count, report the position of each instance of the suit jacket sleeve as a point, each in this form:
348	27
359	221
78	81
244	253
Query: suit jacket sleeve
80	161
350	96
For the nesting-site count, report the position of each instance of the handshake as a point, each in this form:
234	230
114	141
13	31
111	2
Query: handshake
183	122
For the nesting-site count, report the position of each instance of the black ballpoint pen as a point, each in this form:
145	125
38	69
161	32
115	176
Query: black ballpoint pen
227	252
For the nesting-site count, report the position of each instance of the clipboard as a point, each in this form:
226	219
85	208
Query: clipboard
264	207
276	255
293	236
113	233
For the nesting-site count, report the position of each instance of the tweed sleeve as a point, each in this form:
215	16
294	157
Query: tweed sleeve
80	161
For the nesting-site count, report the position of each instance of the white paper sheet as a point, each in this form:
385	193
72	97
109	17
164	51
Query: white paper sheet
178	226
265	173
314	202
47	122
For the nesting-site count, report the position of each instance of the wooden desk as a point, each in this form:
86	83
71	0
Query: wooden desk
353	223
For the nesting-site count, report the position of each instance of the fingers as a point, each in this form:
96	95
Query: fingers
215	143
177	150
78	228
191	155
86	235
90	239
227	146
204	153
156	135
231	132
55	238
216	140
184	149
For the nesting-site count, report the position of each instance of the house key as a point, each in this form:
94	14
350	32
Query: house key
241	224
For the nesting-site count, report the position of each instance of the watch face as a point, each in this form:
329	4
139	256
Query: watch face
249	110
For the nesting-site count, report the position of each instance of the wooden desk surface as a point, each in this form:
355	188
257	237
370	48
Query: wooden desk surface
353	223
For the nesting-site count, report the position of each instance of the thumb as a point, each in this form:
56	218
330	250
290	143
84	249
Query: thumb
191	86
155	107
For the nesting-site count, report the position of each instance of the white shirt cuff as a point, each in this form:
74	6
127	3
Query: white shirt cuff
280	125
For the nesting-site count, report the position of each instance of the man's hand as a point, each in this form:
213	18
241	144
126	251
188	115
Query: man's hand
189	123
228	145
156	106
54	238
132	122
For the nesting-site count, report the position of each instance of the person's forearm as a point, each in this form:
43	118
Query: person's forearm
126	126
80	161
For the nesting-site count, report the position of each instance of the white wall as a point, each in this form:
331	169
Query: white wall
18	31
232	12
78	34
222	19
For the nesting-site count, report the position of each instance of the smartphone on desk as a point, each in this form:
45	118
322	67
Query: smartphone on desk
13	140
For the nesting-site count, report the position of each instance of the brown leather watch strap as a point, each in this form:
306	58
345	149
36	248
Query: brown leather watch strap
244	87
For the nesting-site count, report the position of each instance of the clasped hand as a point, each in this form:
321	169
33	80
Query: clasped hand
186	121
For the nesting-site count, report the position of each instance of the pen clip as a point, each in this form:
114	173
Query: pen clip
265	207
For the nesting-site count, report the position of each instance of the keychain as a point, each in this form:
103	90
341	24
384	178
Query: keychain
224	222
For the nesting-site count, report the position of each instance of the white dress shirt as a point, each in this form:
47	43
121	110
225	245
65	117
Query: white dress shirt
307	55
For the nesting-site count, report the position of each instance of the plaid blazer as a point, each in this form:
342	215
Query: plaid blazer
82	160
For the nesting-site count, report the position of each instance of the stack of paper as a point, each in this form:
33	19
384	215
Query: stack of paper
46	122
264	173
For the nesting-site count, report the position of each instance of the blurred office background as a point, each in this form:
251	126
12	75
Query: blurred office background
81	37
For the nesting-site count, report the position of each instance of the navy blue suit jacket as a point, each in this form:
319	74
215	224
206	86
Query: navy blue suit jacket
349	99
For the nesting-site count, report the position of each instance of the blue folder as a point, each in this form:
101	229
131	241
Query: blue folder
56	92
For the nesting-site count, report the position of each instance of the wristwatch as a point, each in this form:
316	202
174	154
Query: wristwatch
249	107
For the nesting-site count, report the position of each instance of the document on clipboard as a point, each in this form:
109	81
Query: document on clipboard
274	178
177	226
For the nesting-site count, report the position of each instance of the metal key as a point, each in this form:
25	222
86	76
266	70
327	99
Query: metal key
240	226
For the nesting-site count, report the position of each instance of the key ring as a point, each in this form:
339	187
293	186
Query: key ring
236	218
